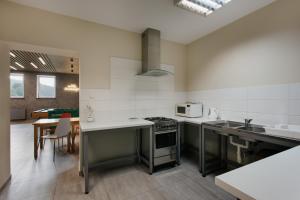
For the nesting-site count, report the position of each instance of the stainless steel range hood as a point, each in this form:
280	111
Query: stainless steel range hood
151	54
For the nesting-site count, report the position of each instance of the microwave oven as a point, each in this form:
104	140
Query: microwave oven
189	110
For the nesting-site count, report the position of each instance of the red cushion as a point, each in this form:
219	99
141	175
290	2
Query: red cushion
66	115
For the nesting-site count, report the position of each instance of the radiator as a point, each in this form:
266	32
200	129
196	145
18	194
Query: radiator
18	114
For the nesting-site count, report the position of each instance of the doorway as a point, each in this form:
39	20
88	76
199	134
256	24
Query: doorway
38	80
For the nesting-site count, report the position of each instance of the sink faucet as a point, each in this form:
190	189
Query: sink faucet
247	123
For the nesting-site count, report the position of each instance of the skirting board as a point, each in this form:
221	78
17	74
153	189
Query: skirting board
5	183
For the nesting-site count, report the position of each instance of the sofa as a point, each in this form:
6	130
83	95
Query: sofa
57	112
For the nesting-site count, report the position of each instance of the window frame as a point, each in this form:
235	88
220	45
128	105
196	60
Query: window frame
17	97
38	86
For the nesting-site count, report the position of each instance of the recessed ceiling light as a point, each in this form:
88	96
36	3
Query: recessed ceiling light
203	7
13	68
42	61
33	65
20	65
12	54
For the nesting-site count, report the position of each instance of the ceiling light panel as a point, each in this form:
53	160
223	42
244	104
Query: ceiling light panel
12	54
203	7
13	68
42	61
33	65
20	65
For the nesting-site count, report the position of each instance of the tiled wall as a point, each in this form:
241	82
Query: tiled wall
274	104
141	96
131	95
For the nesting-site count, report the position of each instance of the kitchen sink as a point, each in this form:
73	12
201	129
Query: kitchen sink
228	124
252	129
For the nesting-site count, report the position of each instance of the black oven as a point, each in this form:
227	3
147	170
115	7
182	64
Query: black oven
165	147
165	139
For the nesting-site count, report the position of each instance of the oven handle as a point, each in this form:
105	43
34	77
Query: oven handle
163	132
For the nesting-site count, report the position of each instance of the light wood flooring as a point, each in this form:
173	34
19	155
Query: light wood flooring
45	180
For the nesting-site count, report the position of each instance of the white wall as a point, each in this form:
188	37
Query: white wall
269	104
250	68
259	49
4	115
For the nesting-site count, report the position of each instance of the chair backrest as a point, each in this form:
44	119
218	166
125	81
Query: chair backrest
63	128
66	115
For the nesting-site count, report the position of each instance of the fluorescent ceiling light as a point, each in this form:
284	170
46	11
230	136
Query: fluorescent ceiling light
12	54
20	65
42	61
13	68
203	7
33	65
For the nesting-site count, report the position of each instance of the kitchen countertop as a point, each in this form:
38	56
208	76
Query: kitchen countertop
273	178
127	123
197	120
106	125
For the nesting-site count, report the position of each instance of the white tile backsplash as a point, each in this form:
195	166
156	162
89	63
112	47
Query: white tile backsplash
268	106
142	96
294	107
272	104
131	95
294	91
268	92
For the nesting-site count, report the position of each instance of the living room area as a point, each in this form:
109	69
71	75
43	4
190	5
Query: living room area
44	92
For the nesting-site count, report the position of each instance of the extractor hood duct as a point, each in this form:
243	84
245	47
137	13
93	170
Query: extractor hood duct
151	54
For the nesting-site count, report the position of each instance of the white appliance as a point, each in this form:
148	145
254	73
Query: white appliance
214	114
189	110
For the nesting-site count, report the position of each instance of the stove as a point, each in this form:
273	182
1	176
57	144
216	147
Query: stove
165	140
163	123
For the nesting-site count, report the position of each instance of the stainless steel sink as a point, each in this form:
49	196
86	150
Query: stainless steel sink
252	129
228	124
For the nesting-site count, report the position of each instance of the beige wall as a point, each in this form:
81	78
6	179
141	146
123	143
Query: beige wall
4	116
262	48
95	43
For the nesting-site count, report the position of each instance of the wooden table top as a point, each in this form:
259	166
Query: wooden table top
53	121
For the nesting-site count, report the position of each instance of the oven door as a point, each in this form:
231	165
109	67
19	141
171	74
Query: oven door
165	143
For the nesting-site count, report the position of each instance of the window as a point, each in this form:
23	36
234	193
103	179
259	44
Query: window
46	86
16	85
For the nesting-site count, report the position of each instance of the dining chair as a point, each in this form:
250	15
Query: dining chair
62	130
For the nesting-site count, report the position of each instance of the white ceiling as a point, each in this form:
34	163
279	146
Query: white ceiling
175	23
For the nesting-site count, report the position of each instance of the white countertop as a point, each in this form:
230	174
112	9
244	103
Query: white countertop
126	123
198	120
106	125
273	178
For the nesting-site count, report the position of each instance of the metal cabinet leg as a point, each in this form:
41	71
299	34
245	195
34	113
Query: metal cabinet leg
178	144
86	163
224	151
203	167
138	145
200	148
151	135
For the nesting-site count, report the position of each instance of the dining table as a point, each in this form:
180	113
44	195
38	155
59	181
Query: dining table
42	124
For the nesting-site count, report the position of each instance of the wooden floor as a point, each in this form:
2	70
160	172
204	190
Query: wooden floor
44	180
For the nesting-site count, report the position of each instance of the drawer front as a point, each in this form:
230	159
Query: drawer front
165	151
164	159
